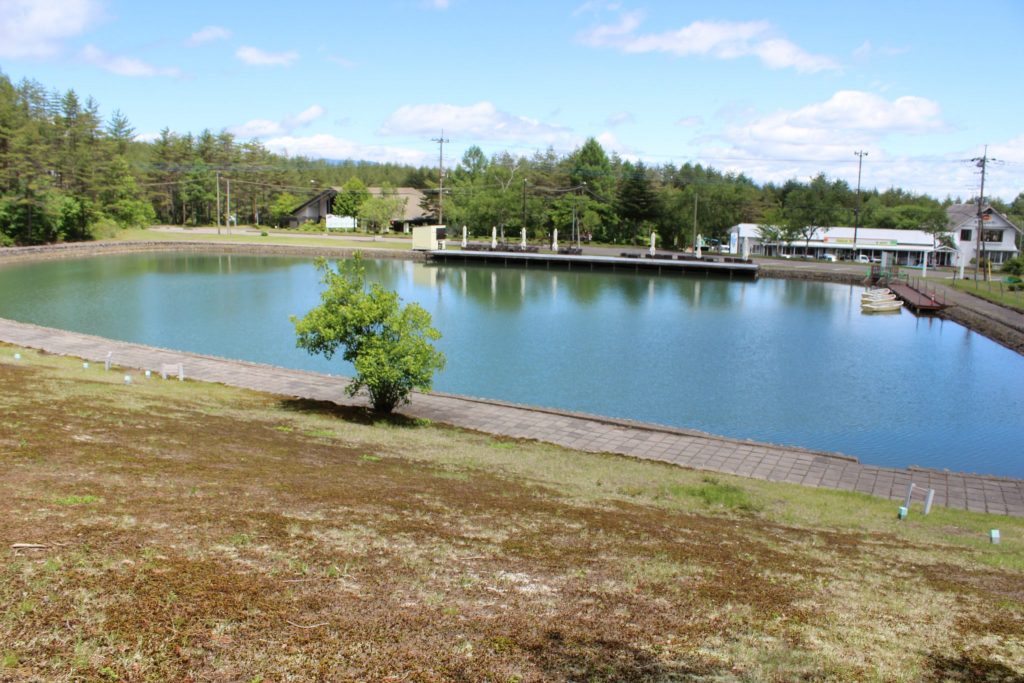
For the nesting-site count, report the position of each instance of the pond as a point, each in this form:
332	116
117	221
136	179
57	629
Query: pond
779	361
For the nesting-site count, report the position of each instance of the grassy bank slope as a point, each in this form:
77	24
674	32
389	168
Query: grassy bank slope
193	531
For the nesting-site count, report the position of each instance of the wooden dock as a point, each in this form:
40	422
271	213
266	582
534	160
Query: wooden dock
632	263
914	299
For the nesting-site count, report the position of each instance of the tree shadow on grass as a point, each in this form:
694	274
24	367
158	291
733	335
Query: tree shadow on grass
969	668
363	415
600	659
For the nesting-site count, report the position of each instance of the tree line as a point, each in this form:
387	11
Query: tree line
67	174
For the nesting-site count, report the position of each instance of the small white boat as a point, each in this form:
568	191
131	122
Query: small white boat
880	306
881	291
877	297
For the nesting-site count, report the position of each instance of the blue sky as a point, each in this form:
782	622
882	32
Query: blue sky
775	90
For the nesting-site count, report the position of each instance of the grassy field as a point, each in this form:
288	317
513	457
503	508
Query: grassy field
993	290
239	236
189	531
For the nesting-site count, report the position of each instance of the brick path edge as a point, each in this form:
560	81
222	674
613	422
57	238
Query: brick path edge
685	448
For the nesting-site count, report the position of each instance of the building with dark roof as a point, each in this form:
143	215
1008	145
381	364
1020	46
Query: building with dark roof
318	208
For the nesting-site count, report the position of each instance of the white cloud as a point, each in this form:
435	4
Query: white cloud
125	66
1005	179
480	121
853	110
717	39
829	128
824	136
306	116
331	147
437	4
614	35
262	128
37	28
257	128
341	61
256	57
595	6
866	50
938	175
620	118
690	121
610	143
208	34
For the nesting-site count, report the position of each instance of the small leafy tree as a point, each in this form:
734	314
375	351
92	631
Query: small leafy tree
283	205
388	344
378	211
353	194
770	227
1014	266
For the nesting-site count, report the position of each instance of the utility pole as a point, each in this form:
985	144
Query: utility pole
695	222
218	202
856	212
229	206
981	162
440	176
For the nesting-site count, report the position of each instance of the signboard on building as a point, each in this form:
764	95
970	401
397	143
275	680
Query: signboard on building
863	241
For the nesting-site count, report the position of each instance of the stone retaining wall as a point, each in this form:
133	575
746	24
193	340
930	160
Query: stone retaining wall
995	330
78	249
811	275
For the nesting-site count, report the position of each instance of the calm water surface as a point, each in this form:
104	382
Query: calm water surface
774	360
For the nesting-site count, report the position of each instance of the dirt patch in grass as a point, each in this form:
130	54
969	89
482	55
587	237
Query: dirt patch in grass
191	532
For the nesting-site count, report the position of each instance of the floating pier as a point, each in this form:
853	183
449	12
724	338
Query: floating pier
628	262
916	300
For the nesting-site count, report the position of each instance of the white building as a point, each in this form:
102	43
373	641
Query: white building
905	247
998	235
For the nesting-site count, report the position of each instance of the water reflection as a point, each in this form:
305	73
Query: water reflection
773	360
512	289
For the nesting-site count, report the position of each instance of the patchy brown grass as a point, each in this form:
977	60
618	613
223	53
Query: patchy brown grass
196	532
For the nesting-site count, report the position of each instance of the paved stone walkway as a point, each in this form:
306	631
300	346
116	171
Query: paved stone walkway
583	432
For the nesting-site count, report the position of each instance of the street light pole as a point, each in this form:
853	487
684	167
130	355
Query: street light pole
856	212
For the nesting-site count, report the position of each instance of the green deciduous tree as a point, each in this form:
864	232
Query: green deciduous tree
377	212
388	344
282	205
353	194
771	227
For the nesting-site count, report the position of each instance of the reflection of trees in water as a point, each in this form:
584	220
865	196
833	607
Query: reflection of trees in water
811	295
512	288
707	292
388	272
110	268
208	264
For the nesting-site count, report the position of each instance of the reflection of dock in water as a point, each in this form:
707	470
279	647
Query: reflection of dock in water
662	264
